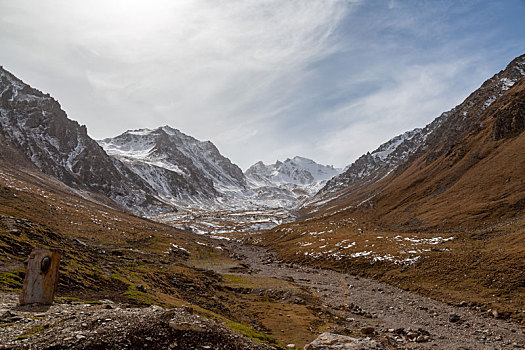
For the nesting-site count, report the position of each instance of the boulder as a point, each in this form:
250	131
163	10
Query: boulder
328	341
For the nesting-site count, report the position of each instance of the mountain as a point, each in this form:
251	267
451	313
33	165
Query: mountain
432	141
179	167
298	171
373	166
438	210
36	132
288	182
146	171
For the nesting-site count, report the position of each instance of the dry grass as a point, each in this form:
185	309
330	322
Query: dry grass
108	254
470	185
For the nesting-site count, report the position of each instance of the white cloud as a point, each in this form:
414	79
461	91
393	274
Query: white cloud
214	69
261	79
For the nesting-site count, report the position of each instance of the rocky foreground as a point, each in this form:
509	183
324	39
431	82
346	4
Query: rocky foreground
106	325
78	325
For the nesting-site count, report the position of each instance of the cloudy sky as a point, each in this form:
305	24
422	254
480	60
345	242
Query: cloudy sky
263	80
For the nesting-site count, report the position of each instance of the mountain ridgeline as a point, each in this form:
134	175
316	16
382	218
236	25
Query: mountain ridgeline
436	137
179	167
35	132
146	171
152	171
465	165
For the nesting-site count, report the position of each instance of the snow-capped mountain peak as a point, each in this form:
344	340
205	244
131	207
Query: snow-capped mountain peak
297	178
298	171
178	166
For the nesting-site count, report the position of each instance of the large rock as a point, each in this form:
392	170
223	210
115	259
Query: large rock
328	341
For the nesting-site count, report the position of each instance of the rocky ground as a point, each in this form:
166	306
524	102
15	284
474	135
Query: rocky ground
406	320
370	314
106	325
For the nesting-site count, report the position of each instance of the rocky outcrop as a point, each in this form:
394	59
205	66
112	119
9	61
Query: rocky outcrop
329	341
510	117
112	326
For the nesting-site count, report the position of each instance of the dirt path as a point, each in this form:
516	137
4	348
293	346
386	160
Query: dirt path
392	312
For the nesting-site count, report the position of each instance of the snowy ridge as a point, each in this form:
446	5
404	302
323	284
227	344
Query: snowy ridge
381	162
182	169
298	171
187	172
34	124
291	181
172	150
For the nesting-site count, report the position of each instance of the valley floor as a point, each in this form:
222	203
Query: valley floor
404	319
356	306
250	290
398	317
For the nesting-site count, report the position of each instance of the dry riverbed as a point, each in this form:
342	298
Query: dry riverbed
407	320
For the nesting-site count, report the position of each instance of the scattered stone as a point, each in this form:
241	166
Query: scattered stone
187	326
9	317
422	339
368	330
454	318
328	341
154	328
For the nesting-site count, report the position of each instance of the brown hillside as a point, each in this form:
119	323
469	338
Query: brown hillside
468	179
480	180
448	223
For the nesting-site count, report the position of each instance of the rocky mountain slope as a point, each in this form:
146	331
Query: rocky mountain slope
435	138
289	182
371	167
188	172
36	132
179	167
145	171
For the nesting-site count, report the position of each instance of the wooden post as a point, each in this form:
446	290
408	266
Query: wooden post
41	277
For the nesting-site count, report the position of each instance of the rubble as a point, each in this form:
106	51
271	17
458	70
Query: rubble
328	341
86	326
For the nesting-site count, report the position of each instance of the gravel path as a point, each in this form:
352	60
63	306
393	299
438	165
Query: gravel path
399	315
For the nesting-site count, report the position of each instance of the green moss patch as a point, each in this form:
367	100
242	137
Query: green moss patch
253	334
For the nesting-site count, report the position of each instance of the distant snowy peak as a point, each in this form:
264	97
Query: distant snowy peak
298	171
178	166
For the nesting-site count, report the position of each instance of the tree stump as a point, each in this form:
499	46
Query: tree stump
41	278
